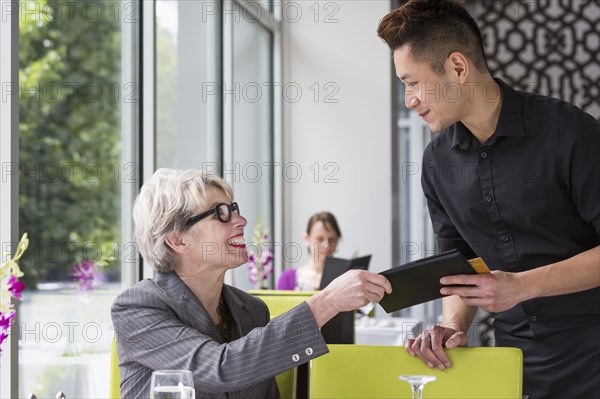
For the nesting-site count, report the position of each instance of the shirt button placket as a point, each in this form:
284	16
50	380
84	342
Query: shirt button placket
487	188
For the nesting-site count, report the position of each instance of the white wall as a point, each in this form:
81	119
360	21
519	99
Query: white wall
351	139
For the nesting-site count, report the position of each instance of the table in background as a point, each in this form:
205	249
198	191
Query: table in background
77	376
389	331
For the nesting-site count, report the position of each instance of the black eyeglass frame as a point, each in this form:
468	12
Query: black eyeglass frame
234	207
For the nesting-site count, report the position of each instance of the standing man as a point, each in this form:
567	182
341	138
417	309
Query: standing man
511	177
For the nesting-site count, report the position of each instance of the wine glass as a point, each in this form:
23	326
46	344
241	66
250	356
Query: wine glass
172	384
417	382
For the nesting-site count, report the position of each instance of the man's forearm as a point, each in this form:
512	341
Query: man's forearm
578	273
456	314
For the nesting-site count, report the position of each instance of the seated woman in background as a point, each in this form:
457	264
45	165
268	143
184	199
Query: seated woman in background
321	237
190	230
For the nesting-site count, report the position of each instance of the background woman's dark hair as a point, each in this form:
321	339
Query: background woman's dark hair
328	220
434	29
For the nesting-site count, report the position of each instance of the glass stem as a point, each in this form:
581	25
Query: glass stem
417	391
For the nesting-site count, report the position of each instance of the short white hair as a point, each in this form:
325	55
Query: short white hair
164	205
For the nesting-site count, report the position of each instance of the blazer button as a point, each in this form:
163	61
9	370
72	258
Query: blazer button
309	351
295	357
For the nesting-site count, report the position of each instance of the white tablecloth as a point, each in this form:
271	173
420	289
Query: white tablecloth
83	376
390	331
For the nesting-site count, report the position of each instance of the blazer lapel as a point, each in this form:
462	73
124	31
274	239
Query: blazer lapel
187	307
191	312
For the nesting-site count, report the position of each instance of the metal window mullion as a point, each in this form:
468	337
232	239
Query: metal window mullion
228	103
148	100
130	128
9	183
278	215
253	11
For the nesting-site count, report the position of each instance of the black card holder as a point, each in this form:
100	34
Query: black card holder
419	281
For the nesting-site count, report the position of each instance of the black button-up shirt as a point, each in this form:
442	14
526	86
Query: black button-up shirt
527	197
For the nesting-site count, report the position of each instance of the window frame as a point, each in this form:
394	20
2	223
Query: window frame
270	20
131	121
139	118
9	183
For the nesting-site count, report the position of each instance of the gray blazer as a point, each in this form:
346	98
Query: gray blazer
160	324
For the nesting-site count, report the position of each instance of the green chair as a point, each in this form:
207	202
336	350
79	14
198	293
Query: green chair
280	302
362	371
292	383
115	375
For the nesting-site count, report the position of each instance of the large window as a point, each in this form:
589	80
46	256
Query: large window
188	84
95	120
9	183
249	96
216	95
78	102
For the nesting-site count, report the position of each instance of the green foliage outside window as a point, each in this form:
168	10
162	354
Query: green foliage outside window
70	106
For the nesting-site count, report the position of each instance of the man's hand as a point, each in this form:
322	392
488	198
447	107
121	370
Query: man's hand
429	345
495	292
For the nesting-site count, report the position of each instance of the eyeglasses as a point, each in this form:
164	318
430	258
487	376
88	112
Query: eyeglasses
223	212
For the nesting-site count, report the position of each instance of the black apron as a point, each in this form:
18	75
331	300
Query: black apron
562	365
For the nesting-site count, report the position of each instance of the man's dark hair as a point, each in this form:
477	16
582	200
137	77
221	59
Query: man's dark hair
434	29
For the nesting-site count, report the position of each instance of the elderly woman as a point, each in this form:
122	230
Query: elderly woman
190	230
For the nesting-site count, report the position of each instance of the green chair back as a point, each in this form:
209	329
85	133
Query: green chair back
280	302
115	375
362	371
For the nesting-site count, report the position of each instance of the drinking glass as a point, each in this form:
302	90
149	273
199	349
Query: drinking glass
172	384
417	382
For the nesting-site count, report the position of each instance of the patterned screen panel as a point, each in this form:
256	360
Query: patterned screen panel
550	47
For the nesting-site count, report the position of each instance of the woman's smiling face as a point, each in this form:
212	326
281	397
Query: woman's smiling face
221	244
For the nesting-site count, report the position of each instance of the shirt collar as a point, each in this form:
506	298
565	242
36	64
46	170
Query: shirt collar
461	137
510	121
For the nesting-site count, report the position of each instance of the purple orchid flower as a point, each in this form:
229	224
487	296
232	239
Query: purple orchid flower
5	320
260	258
86	274
15	287
268	257
3	336
252	272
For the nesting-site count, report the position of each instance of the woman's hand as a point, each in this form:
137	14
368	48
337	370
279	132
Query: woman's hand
356	288
352	290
